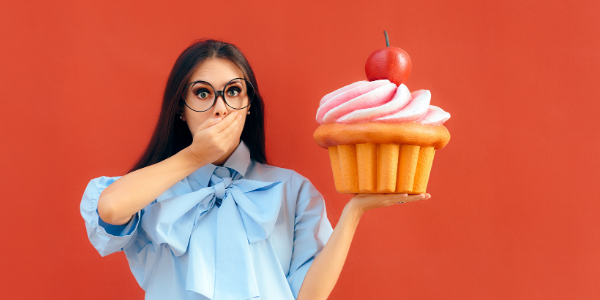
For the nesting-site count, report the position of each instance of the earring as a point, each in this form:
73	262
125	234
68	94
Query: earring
248	113
181	117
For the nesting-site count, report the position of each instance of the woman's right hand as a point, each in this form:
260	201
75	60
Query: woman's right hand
215	137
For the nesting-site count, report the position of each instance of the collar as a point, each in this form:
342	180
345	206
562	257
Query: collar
238	161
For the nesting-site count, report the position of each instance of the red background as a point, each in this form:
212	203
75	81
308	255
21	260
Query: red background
514	212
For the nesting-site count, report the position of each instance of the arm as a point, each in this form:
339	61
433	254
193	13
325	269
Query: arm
132	192
106	238
327	266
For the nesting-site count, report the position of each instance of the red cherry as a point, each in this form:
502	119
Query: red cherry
388	63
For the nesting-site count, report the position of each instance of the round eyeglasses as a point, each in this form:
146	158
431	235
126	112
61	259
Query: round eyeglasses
201	96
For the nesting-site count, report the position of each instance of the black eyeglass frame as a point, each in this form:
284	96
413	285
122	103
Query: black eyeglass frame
220	93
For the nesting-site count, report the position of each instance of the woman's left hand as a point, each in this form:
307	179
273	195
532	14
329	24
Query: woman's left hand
365	202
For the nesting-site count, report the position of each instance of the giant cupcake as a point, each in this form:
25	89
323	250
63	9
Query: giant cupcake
381	137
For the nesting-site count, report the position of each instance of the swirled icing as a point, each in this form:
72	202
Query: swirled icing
379	101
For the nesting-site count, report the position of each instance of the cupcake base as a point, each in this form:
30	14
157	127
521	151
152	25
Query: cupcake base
381	168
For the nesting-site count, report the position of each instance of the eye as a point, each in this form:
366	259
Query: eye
202	93
233	91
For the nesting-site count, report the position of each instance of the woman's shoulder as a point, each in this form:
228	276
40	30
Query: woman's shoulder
294	181
275	172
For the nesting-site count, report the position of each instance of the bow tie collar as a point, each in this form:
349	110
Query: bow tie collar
247	211
221	179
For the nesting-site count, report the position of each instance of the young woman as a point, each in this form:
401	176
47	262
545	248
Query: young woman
202	215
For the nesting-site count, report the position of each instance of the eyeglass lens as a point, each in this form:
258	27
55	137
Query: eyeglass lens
201	96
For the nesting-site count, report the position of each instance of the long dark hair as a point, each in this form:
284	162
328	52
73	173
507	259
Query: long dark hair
171	135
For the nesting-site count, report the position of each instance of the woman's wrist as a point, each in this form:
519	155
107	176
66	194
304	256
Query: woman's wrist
193	159
353	208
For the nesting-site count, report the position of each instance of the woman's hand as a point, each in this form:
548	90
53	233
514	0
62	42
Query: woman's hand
214	137
134	191
365	202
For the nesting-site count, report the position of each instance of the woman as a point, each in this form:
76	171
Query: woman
202	215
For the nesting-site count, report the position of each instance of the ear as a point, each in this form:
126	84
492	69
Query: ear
180	114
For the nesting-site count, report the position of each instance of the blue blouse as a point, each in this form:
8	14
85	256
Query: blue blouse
245	230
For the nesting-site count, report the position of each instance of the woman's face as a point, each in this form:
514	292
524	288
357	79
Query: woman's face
218	72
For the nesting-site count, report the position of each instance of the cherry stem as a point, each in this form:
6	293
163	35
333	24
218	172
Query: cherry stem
387	41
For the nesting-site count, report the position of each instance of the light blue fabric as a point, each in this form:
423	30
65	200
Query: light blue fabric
241	231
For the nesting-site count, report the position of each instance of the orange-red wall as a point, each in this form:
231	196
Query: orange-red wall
514	212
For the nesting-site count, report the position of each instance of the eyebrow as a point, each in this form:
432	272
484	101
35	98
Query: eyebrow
231	80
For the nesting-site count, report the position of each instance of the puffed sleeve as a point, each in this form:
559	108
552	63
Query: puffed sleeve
312	229
106	238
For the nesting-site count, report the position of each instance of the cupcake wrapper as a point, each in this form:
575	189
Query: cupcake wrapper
381	168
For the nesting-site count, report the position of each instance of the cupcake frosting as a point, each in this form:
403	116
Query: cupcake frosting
379	101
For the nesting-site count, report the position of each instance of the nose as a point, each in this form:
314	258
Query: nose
220	108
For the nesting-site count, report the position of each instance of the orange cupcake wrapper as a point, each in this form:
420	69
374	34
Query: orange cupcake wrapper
381	168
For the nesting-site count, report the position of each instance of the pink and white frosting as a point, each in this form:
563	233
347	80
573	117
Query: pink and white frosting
379	101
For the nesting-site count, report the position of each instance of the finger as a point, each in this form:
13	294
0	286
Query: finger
415	197
225	122
399	198
410	198
230	130
208	123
